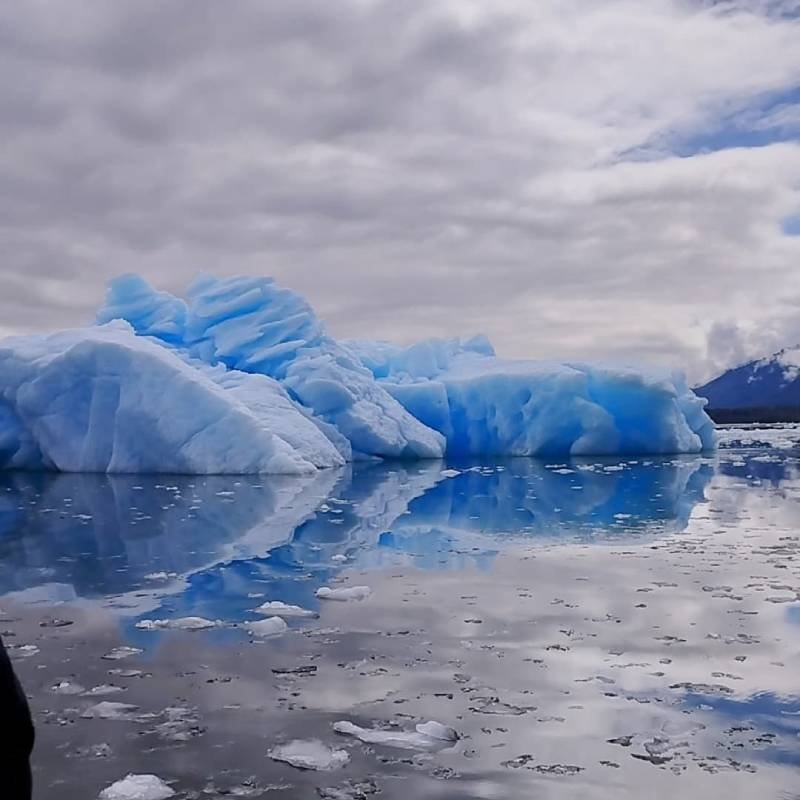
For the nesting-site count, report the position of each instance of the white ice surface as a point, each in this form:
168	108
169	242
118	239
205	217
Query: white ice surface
272	626
286	611
108	709
309	754
425	736
182	623
343	593
138	787
242	377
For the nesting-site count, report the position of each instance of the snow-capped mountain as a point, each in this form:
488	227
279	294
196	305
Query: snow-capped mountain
772	382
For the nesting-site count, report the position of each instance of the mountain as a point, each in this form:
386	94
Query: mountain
766	390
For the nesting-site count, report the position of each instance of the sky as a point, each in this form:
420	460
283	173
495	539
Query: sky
577	179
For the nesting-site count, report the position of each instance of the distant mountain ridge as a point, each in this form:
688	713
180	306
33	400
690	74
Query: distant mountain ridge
765	390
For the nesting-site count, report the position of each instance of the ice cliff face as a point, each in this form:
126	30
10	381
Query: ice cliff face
484	404
242	377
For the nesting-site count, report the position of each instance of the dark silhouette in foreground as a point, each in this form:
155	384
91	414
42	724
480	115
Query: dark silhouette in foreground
16	734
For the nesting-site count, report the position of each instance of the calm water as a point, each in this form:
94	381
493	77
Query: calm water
595	628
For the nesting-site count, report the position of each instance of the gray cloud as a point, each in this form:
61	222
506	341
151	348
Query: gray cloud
415	168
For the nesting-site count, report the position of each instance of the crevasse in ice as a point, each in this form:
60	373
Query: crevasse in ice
242	377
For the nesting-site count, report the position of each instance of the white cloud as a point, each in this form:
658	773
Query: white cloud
416	169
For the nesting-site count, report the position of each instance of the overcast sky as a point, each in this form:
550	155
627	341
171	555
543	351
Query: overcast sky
576	179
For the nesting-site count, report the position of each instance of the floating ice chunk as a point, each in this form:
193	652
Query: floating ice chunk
24	650
309	754
426	736
182	623
449	473
122	652
103	689
107	709
438	731
66	687
278	609
138	787
102	750
343	593
272	626
350	790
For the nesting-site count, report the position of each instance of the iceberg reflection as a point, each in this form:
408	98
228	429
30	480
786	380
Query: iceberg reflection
210	544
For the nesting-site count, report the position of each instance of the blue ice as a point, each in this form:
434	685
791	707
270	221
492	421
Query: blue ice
242	377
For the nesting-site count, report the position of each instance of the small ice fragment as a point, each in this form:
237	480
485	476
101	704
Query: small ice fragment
160	576
122	652
339	558
438	731
271	626
25	650
65	687
344	593
126	673
103	689
110	710
427	736
183	624
449	473
309	754
151	624
102	750
275	608
137	787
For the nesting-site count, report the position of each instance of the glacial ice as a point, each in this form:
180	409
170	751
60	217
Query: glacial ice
271	626
102	399
277	608
343	593
425	736
309	754
483	404
183	624
138	787
106	709
242	377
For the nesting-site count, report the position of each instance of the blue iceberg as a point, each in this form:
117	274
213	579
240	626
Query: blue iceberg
242	377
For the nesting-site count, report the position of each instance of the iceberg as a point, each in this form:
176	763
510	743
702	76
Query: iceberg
102	399
483	404
253	326
242	377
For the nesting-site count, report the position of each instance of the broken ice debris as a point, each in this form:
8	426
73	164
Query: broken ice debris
65	687
122	652
425	736
275	608
309	754
344	593
271	626
110	710
138	787
183	624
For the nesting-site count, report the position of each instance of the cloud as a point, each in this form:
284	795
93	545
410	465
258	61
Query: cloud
416	169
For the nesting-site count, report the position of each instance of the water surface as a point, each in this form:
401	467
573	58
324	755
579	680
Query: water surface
592	628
